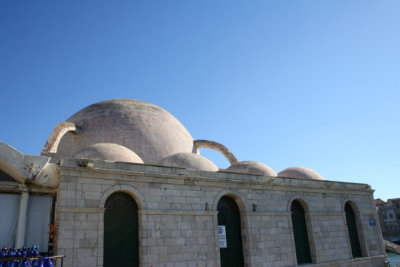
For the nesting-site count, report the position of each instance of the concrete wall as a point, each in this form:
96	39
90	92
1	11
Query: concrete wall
178	215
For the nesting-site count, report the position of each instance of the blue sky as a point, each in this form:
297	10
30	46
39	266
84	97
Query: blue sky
286	83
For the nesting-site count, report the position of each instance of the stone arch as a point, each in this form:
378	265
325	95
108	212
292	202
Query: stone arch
215	146
355	239
353	205
302	201
235	196
301	224
246	238
121	230
59	131
130	190
231	214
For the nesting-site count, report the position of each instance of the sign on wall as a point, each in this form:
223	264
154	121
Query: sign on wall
222	236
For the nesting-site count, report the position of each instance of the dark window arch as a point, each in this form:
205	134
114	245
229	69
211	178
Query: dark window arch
300	233
229	216
352	230
121	241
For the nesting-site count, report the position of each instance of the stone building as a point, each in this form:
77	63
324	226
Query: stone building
123	183
389	217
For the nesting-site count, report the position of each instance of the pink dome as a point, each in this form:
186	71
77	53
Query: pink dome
108	151
189	161
301	172
252	167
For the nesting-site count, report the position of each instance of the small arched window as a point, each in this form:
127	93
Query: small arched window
352	230
300	233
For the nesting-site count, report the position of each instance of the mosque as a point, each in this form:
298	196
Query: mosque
122	183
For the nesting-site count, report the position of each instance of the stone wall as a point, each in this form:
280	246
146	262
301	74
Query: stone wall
178	215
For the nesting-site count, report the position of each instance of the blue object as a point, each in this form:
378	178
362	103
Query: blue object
37	263
24	252
25	263
47	262
12	253
4	253
34	251
11	264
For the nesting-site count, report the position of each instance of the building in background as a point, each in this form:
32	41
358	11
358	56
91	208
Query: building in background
389	218
122	181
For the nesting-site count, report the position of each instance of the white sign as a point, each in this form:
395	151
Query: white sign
222	236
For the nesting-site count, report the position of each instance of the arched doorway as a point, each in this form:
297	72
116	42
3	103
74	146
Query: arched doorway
121	242
229	218
352	229
300	233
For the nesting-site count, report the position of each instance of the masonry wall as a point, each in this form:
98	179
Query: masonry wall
178	216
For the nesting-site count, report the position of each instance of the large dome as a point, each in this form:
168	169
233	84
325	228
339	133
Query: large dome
148	130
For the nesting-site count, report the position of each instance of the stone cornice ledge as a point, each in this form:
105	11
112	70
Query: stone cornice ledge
152	171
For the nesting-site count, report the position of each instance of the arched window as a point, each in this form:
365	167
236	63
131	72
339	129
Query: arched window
352	229
300	233
121	242
229	219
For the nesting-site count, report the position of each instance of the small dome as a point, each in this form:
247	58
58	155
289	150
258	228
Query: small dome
300	172
147	129
189	161
252	167
108	151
